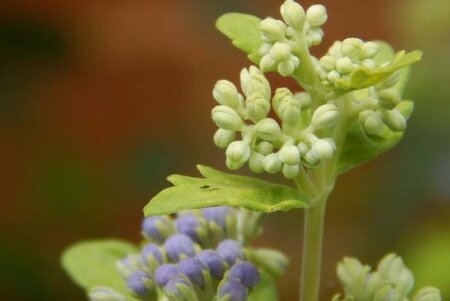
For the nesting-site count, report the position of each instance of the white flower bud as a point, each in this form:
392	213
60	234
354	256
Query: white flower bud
233	165
290	171
257	107
226	118
314	36
289	111
387	293
226	93
272	163
267	63
344	65
254	81
264	49
256	163
324	149
389	98
264	148
223	138
311	158
404	282
293	14
289	154
238	152
369	64
364	115
303	148
336	50
286	68
273	30
369	50
333	76
428	294
325	116
350	269
316	15
395	120
328	63
280	51
304	99
374	124
268	129
351	47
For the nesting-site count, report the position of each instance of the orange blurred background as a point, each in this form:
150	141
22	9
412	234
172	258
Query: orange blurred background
101	100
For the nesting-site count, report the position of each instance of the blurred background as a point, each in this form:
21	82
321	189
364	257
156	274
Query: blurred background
101	100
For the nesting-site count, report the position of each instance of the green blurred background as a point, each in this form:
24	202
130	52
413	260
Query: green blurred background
101	100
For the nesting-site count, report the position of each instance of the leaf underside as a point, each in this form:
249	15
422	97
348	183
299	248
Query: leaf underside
219	189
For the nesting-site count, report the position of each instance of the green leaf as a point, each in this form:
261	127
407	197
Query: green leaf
265	290
93	263
363	77
218	188
243	30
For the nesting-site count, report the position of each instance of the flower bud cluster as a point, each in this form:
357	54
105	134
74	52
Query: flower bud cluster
385	109
266	145
345	56
281	38
392	281
198	255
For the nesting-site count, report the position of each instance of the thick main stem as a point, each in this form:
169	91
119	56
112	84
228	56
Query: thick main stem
312	250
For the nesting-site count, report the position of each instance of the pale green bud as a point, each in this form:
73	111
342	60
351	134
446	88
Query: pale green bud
289	111
371	284
325	116
389	98
351	47
105	294
369	64
256	163
257	107
281	95
273	261
314	36
233	165
391	266
254	81
336	49
267	63
264	148
428	294
273	30
286	68
272	163
289	154
387	293
303	148
293	14
404	282
349	270
405	107
280	51
333	76
238	152
311	157
290	171
265	48
226	93
226	118
316	15
324	149
268	129
395	120
328	63
364	115
374	124
344	65
369	50
304	99
223	138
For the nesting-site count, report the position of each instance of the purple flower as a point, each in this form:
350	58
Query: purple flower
245	273
179	244
152	250
164	273
216	214
140	283
193	270
230	250
177	286
187	225
156	227
211	260
235	290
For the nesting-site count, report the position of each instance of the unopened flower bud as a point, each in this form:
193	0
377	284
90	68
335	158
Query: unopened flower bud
238	152
328	63
303	148
130	264
256	163
405	108
257	107
245	273
324	149
349	270
230	250
362	117
226	118
286	68
254	81
273	30
268	129
157	228
152	252
188	225
395	121
369	50
180	288
179	245
325	116
232	291
289	154
351	47
272	163
272	261
226	93
290	171
314	36
213	262
107	294
344	65
391	81
333	76
164	273
280	51
289	111
281	95
293	14
374	124
265	148
223	138
267	63
217	215
389	98
140	284
369	64
428	294
316	15
304	99
192	269
311	157
387	293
